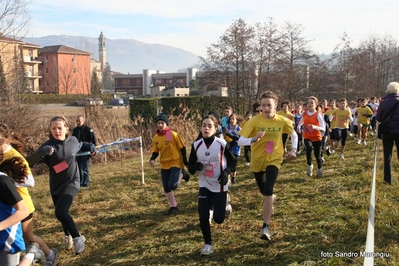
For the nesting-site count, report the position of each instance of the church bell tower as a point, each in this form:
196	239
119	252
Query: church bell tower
102	51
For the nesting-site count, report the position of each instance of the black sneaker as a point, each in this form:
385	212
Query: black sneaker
328	152
172	210
186	176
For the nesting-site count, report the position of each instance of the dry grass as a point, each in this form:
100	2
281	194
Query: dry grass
124	221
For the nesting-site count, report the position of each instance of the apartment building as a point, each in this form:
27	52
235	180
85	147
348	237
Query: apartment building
65	70
16	54
154	83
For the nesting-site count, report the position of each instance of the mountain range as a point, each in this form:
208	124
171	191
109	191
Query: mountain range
127	56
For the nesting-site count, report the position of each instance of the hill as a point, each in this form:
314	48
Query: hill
127	55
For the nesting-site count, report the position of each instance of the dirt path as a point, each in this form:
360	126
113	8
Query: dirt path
69	111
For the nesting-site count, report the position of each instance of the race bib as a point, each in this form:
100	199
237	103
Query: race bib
269	147
209	170
60	167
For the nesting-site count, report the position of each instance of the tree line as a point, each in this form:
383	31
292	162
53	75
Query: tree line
250	59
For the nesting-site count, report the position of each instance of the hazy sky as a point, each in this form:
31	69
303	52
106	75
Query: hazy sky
195	25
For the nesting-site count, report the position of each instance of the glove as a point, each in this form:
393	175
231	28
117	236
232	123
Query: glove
185	162
199	166
223	178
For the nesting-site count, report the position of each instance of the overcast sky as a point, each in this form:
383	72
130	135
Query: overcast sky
195	25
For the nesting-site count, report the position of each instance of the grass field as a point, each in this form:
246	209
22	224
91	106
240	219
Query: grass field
124	221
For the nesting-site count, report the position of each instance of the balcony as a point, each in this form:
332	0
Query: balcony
34	75
31	60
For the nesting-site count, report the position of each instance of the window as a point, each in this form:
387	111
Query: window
47	70
47	83
54	57
74	58
74	83
74	70
46	57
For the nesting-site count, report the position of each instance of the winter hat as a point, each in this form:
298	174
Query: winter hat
215	113
163	117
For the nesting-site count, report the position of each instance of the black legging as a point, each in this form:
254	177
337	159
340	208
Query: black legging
266	180
341	134
317	152
62	203
285	138
247	152
210	200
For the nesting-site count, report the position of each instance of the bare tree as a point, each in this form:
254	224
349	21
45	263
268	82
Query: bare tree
231	60
293	62
14	17
267	48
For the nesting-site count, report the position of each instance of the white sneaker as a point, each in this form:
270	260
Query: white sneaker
68	242
359	141
320	173
210	216
309	171
247	164
342	156
207	250
79	243
274	198
265	233
229	209
364	143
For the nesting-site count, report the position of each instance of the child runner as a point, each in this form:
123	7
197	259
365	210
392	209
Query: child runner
343	118
59	154
297	117
287	114
169	145
313	127
267	150
12	210
247	149
8	155
353	125
227	113
331	127
234	128
213	159
363	120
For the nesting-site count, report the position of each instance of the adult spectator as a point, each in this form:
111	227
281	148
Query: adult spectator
84	133
384	111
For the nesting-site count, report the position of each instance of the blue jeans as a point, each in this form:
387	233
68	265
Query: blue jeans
83	163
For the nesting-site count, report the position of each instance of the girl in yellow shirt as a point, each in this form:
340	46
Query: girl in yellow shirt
363	121
12	157
285	112
343	117
267	150
170	147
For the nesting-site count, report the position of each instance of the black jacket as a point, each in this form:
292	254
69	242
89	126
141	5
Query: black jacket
64	151
84	133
